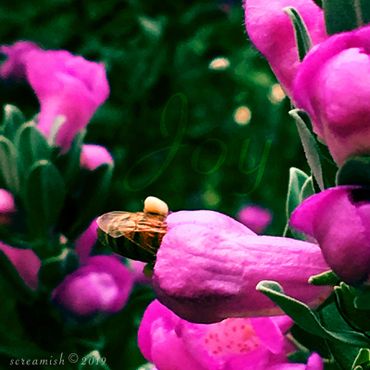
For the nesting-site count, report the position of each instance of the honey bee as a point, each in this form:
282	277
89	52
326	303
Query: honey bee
135	235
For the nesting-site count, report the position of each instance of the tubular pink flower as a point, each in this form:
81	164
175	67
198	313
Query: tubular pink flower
332	86
208	271
26	262
339	219
93	156
101	285
172	343
66	85
271	31
15	64
255	217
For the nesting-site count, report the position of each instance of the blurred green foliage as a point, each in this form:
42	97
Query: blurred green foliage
197	157
170	120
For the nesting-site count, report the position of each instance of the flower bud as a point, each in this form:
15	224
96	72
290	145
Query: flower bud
255	217
271	31
101	286
7	206
93	156
332	86
339	219
26	262
66	85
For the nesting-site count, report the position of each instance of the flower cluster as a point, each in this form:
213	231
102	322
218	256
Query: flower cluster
69	89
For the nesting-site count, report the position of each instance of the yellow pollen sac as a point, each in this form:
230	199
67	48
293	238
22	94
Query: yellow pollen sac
156	206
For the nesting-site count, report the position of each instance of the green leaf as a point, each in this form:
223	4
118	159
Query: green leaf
91	198
325	278
8	165
362	301
56	126
346	299
306	318
331	317
93	361
31	146
355	171
13	119
344	15
318	3
13	280
303	39
300	187
54	269
307	189
310	147
69	163
362	360
43	197
297	179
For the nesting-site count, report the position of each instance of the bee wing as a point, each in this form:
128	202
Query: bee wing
117	223
120	223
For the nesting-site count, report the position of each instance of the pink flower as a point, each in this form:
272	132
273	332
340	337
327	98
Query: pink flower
26	262
271	31
332	86
101	285
255	217
7	206
93	156
172	343
208	266
339	219
15	64
66	85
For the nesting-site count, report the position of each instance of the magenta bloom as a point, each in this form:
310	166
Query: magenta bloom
333	87
101	285
26	262
66	85
271	31
255	217
208	266
339	219
15	64
172	343
93	156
